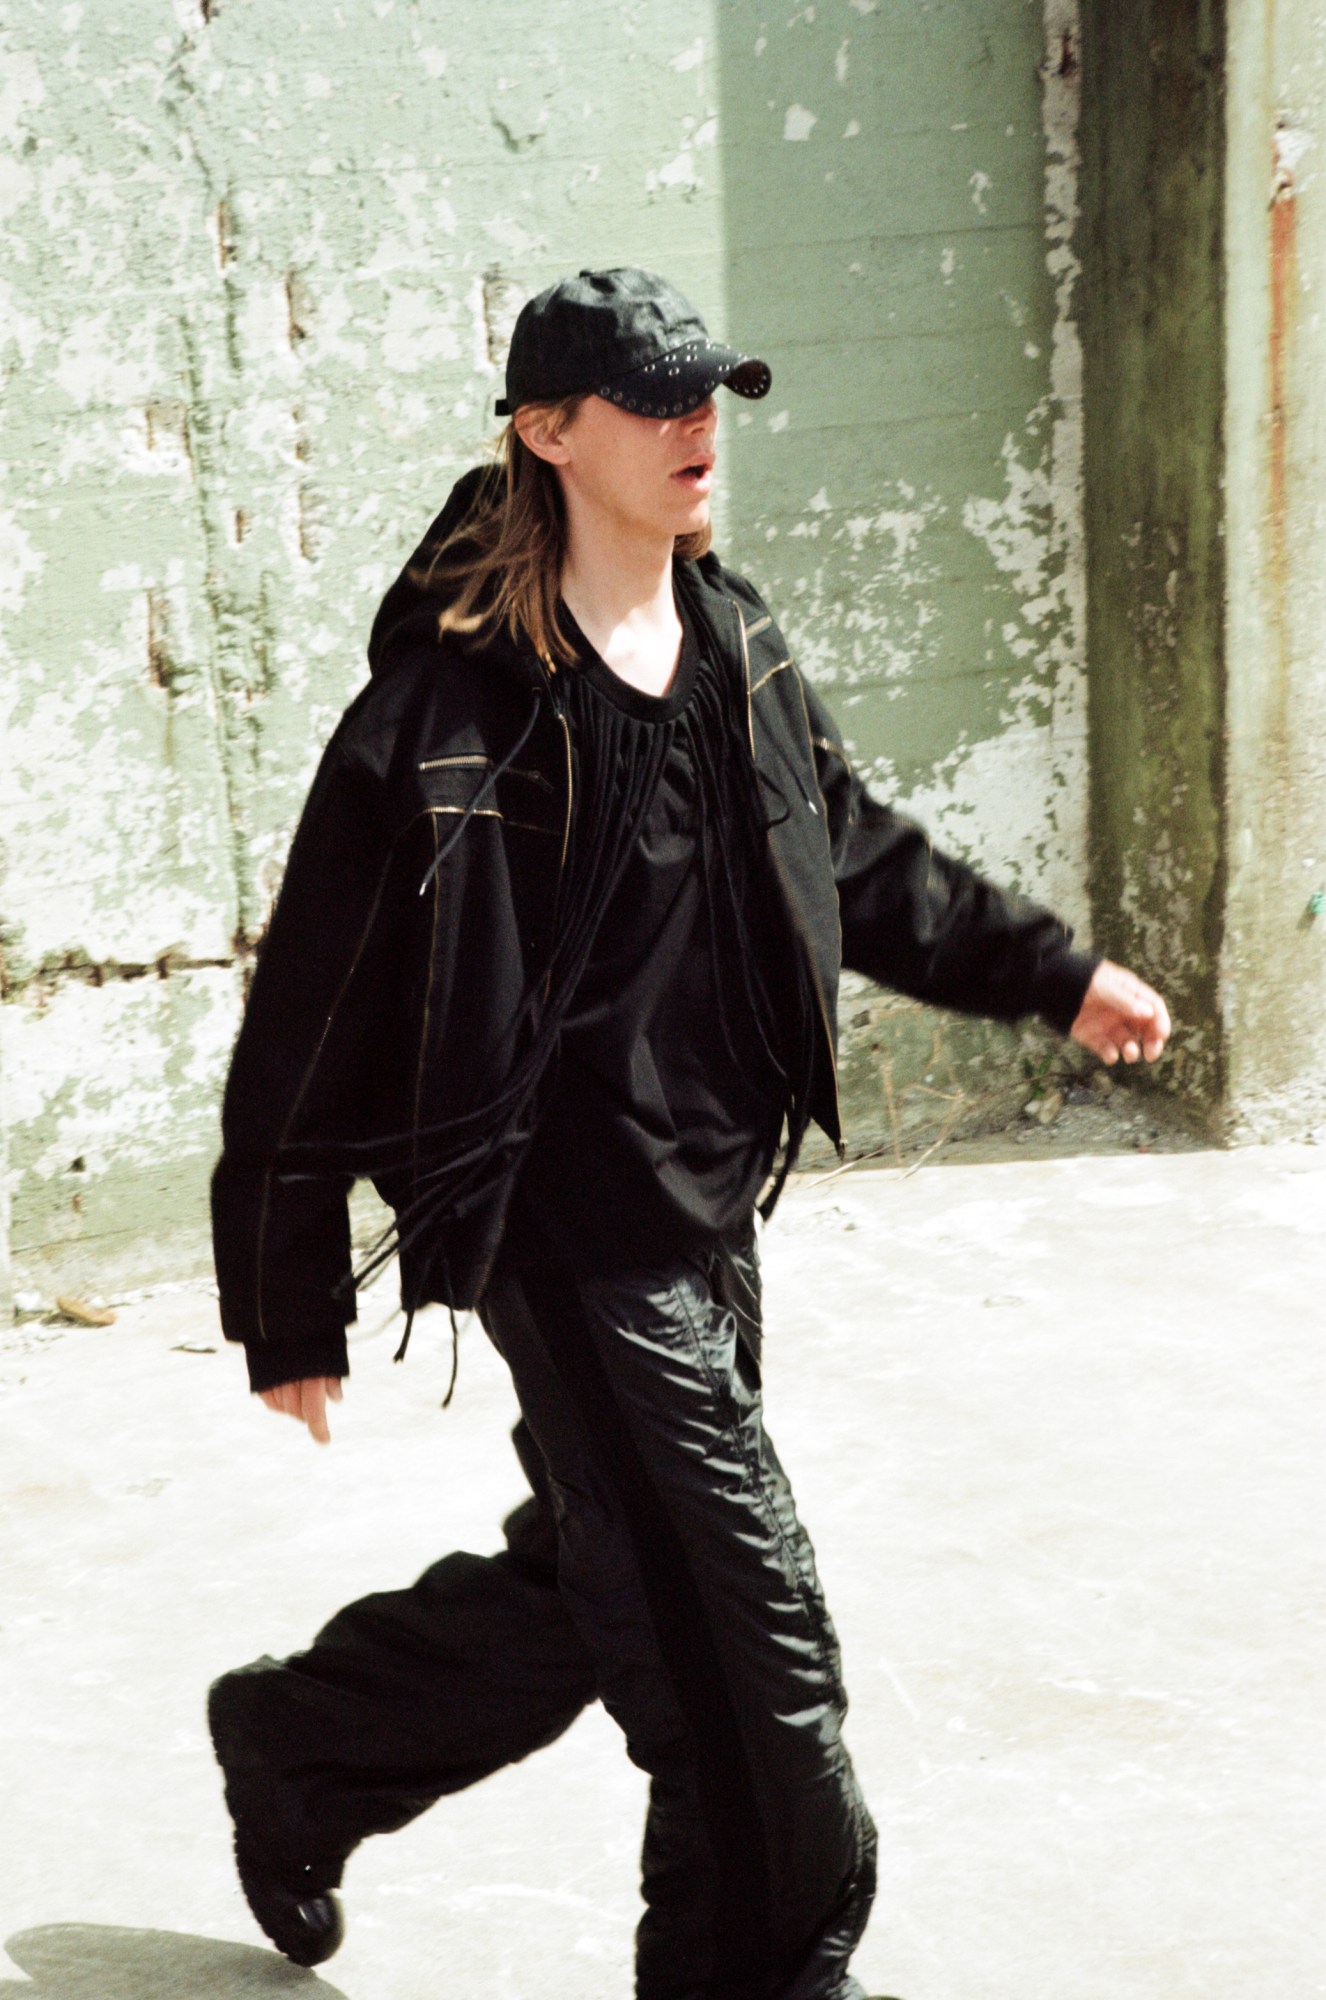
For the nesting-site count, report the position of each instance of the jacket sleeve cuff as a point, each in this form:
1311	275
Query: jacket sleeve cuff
276	1361
1062	980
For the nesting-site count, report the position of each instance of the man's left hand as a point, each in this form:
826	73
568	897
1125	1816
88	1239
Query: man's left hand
1121	1016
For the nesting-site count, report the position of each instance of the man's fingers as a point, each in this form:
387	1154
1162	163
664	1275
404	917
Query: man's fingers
1151	1028
306	1401
1122	1017
313	1408
1143	1011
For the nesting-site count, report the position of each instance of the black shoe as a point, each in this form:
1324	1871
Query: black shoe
290	1894
303	1922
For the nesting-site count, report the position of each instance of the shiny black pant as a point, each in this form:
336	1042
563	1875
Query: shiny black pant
659	1565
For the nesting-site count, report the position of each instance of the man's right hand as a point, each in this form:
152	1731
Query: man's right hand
1122	1016
306	1401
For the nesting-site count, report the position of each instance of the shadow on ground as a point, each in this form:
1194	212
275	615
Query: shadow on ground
102	1962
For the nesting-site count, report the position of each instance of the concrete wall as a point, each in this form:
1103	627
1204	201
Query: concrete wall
901	202
257	268
1273	965
1205	252
260	264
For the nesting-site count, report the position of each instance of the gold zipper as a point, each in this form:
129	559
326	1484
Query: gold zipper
473	758
769	676
481	1283
493	812
427	1017
790	900
745	668
566	832
260	1248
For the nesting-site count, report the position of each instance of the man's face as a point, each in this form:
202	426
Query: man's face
645	475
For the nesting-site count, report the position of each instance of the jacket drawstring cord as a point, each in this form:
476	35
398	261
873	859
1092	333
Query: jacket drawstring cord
620	786
399	1355
455	1359
482	793
613	806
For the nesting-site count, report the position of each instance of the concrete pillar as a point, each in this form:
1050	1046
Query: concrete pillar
1273	965
1152	167
1204	245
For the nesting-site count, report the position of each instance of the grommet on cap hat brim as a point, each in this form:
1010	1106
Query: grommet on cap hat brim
685	377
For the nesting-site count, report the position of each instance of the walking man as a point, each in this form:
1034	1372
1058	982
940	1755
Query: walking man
555	962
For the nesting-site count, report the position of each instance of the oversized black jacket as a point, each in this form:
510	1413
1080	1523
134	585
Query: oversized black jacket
384	1026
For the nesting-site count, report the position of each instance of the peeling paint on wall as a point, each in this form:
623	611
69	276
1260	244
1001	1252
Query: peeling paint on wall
257	288
912	506
255	296
934	583
1017	800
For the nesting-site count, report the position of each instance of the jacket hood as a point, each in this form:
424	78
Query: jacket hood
406	620
407	616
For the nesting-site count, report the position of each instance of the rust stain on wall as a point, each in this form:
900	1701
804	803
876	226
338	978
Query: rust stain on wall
1284	271
160	666
1283	294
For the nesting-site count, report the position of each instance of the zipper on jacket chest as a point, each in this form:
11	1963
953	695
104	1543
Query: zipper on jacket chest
788	898
565	728
486	1270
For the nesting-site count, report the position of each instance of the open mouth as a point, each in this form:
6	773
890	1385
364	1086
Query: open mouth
699	475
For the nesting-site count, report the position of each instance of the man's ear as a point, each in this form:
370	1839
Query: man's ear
541	432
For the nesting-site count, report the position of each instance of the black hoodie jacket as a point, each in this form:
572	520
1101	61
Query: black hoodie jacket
437	906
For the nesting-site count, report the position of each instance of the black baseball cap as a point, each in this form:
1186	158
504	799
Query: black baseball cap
627	335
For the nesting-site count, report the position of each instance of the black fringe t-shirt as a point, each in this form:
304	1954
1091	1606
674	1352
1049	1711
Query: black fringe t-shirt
671	1084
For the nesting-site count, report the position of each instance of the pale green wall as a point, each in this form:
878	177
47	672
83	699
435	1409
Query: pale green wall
1205	251
255	271
900	199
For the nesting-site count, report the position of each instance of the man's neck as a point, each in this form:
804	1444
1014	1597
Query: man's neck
619	591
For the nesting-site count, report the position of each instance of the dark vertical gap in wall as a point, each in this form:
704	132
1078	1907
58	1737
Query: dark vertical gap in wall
1153	155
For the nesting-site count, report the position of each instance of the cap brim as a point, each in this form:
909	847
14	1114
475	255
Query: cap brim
686	377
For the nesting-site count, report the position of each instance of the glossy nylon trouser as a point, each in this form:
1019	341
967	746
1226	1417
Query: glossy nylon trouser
659	1565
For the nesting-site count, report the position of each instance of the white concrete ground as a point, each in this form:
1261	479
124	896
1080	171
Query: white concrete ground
1056	1427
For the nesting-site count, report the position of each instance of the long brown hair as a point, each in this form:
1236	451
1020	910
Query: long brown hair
502	565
